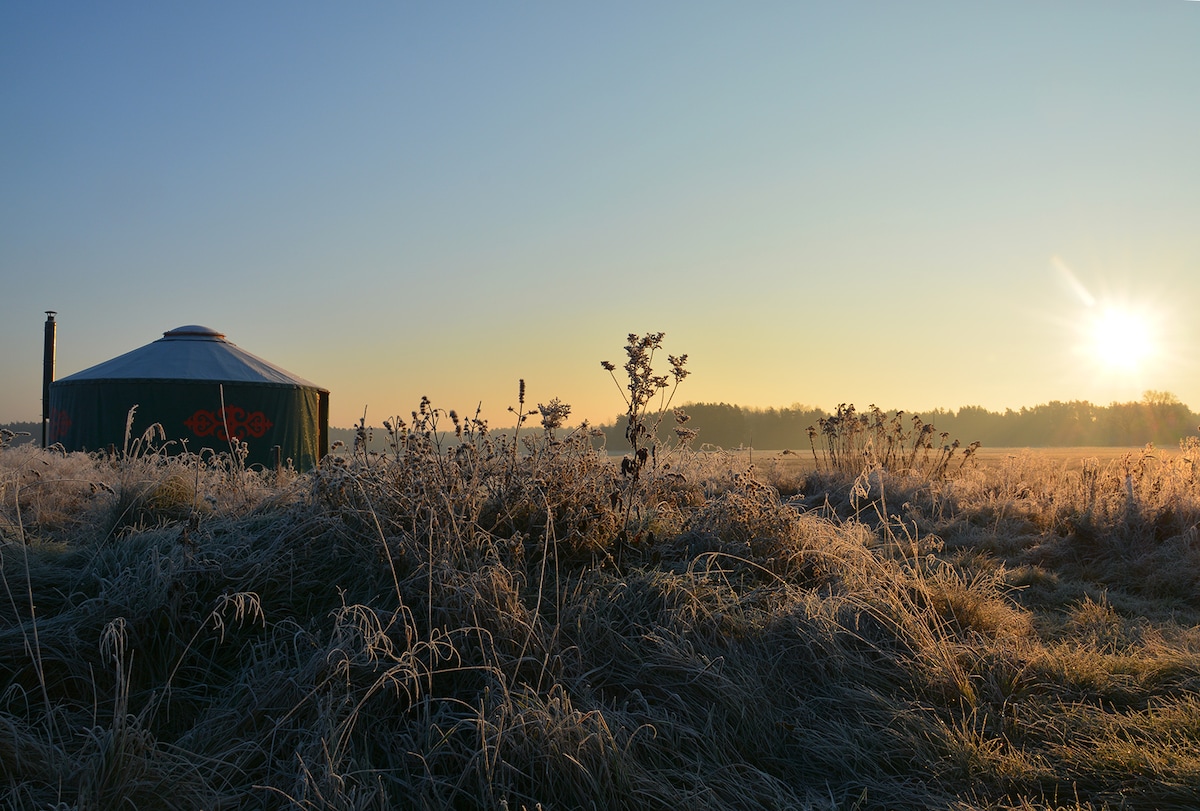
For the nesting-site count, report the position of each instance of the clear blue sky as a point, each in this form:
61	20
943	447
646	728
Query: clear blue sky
917	204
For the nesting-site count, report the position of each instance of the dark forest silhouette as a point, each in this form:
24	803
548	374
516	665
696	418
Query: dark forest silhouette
1159	418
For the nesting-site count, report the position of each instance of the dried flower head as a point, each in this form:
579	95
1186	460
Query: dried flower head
554	414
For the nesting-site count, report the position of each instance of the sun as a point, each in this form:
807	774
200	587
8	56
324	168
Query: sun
1123	340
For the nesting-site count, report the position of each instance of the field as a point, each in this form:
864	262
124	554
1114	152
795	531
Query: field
803	462
521	623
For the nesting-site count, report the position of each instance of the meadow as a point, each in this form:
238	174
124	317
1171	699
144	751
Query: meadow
517	620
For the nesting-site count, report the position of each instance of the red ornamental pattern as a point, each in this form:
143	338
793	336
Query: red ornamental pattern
60	423
241	423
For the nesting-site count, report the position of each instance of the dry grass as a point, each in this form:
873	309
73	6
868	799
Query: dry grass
511	622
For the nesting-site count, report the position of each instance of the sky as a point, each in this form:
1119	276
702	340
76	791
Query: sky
921	204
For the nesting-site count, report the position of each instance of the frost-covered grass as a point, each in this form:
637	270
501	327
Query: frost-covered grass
474	628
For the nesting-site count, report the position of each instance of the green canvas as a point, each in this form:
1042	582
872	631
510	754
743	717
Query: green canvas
92	415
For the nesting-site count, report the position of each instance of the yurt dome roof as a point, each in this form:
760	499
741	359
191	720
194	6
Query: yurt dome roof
190	353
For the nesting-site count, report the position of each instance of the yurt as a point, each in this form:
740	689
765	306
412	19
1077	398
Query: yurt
202	389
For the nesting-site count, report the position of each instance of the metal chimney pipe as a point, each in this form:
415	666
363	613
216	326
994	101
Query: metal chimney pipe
48	374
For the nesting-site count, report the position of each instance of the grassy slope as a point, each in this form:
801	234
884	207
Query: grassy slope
475	628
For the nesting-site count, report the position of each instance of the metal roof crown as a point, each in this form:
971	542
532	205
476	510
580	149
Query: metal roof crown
186	354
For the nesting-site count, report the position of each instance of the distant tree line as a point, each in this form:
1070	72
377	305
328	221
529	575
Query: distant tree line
1158	418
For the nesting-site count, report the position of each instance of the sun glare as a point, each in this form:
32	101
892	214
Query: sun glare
1123	340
